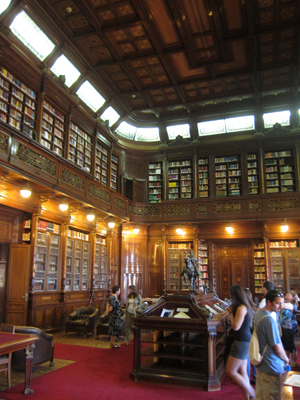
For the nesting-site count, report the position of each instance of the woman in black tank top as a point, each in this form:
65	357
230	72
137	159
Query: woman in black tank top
241	316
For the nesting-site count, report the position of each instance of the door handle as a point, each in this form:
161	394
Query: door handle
25	297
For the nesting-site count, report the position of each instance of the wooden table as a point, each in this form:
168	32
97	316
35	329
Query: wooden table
12	342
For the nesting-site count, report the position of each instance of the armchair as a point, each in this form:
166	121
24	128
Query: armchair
43	350
82	320
102	325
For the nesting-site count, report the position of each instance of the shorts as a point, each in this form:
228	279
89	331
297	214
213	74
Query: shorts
239	350
288	340
267	386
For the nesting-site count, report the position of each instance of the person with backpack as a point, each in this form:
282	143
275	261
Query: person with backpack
271	370
241	316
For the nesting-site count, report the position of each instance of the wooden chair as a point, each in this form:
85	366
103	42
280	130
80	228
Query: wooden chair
6	360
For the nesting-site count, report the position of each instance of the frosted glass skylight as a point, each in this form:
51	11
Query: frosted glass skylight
281	117
111	115
126	130
63	66
3	5
90	96
211	127
175	130
147	134
245	123
26	30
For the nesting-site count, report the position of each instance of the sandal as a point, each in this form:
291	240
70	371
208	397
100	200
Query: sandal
114	346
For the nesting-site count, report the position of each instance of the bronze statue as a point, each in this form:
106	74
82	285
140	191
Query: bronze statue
190	270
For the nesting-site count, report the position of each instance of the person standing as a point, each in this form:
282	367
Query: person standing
286	322
133	301
114	313
267	285
270	372
241	315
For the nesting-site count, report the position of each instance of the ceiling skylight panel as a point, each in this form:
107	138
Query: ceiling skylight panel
280	117
245	123
3	5
211	127
26	30
147	134
111	115
126	130
175	130
63	66
90	96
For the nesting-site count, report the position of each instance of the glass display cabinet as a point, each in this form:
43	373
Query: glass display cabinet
182	339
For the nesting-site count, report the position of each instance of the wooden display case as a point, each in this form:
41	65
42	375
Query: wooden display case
46	270
100	264
203	171
280	172
180	180
155	182
182	339
228	176
17	103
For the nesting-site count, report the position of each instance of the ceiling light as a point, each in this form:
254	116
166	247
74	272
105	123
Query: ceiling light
136	231
179	231
26	191
110	222
91	216
229	229
64	205
104	231
284	227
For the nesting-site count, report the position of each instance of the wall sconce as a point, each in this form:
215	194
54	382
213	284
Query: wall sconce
136	231
63	205
284	228
91	216
179	231
110	222
26	191
229	229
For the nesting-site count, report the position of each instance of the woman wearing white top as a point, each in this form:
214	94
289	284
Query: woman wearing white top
133	301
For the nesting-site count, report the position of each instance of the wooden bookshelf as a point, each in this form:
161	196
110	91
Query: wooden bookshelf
280	172
177	253
114	172
203	263
259	262
252	173
228	176
17	103
53	129
155	182
180	180
100	264
80	147
203	171
101	163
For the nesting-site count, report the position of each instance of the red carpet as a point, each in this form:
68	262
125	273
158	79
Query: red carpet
104	374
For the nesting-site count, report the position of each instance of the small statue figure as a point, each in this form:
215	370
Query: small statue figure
190	270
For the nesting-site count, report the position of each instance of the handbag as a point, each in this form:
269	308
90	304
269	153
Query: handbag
254	354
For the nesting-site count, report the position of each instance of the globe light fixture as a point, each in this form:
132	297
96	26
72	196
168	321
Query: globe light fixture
110	222
179	231
229	229
25	191
90	216
284	228
63	205
136	231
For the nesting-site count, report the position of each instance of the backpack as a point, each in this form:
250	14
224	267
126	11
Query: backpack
254	354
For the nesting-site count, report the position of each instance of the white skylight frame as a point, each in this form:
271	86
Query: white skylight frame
63	66
3	5
216	127
29	33
111	115
175	130
147	135
126	130
238	124
280	117
90	96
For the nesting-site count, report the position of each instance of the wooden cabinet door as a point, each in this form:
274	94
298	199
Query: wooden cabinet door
18	284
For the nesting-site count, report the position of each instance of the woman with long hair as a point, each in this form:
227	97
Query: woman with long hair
133	301
241	316
114	312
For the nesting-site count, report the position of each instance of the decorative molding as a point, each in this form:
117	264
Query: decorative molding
180	209
98	192
36	160
283	204
143	210
3	143
72	179
228	207
201	208
255	205
119	203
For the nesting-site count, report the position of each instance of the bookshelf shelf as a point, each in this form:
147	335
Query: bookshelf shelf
114	172
227	176
203	171
180	180
155	185
80	147
280	172
53	129
101	163
259	266
252	173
